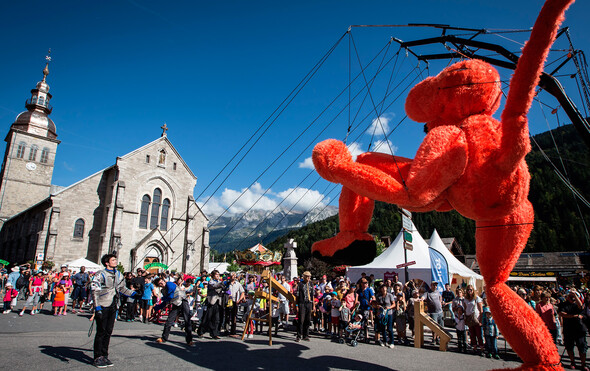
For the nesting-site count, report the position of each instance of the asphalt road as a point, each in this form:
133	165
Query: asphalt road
45	342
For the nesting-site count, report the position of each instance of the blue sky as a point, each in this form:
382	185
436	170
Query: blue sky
214	71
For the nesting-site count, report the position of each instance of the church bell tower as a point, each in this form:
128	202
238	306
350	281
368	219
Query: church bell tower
31	144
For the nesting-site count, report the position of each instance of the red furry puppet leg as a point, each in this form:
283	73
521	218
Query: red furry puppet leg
353	245
499	244
352	242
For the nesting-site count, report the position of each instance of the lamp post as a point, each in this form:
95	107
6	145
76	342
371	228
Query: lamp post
119	247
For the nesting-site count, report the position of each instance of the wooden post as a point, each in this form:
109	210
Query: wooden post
418	328
248	321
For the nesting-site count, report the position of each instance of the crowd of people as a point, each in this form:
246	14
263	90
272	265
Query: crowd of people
379	311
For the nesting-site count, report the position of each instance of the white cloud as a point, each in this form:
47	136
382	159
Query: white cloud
247	198
307	164
302	199
384	146
379	126
355	149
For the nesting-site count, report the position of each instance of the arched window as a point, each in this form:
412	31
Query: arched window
44	155
144	211
41	101
164	218
79	228
155	208
20	150
33	153
34	99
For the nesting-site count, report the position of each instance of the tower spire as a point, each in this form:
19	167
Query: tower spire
46	69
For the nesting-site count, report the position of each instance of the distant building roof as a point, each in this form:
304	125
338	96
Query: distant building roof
452	245
543	261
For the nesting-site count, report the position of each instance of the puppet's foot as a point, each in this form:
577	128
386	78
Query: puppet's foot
328	156
347	248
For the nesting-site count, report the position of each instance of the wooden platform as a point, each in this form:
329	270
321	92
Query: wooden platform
422	319
270	300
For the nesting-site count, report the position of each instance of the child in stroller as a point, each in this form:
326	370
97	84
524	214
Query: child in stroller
354	330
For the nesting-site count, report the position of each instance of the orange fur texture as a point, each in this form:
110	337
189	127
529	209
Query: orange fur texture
469	162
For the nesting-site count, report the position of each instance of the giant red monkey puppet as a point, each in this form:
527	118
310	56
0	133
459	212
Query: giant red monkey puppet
469	162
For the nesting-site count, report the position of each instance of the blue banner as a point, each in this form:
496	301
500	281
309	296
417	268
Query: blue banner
439	269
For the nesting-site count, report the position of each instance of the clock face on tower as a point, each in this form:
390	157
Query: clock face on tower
31	166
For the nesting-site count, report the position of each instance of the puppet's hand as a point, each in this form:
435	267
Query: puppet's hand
330	155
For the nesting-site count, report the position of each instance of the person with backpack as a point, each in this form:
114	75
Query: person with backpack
35	291
366	297
107	285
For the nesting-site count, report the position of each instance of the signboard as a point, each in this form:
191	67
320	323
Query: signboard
532	274
4	262
406	223
408	246
406	264
155	265
406	213
390	276
408	236
40	256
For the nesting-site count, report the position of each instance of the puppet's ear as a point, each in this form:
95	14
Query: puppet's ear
422	104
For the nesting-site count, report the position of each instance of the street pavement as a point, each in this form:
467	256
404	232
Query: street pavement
45	342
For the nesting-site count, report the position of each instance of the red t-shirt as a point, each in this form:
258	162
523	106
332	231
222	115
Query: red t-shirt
547	314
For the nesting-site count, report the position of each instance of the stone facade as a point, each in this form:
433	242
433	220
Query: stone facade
107	208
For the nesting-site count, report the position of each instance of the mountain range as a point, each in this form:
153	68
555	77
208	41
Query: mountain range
241	231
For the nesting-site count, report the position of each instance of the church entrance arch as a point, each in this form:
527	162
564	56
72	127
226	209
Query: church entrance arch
153	255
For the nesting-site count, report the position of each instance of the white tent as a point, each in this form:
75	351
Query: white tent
393	256
457	269
220	267
90	266
388	261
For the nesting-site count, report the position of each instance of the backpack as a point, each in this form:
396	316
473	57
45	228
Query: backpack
21	282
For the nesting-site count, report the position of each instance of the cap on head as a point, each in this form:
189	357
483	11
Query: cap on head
307	273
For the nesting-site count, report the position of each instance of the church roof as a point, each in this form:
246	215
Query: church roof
163	138
63	189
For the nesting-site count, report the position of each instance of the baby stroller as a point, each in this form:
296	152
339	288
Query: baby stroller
355	329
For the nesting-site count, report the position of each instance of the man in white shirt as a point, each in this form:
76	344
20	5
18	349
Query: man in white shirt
237	295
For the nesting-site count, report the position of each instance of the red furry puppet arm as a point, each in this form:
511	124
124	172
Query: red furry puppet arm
439	162
515	134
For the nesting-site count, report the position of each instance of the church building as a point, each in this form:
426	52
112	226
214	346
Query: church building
141	208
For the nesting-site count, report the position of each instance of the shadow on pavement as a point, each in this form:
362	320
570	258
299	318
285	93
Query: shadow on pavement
283	355
67	354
